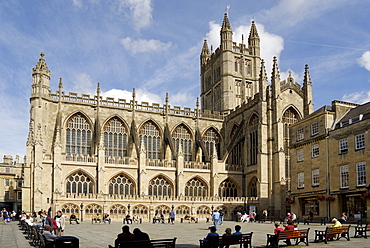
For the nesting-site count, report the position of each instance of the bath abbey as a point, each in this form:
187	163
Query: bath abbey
88	154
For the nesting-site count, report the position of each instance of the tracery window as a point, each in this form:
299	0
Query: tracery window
93	209
253	140
117	210
70	208
290	117
253	188
121	185
140	210
182	136
79	183
162	209
78	135
235	157
182	210
210	138
159	186
150	134
227	189
195	187
203	211
115	138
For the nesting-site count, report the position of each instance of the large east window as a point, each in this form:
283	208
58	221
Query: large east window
79	183
344	176
361	173
300	180
150	134
360	141
182	136
343	146
78	135
315	177
315	152
115	138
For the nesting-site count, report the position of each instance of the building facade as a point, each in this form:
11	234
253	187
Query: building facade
330	162
11	173
86	154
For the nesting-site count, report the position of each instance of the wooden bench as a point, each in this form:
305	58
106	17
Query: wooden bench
298	235
244	240
166	243
322	220
267	218
361	231
331	232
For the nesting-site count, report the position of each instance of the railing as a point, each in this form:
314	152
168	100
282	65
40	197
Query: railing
195	165
80	158
161	163
118	160
233	167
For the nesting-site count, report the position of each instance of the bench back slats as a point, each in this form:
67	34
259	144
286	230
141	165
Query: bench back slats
291	234
220	241
167	243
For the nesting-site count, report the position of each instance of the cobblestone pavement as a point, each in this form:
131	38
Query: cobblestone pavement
188	234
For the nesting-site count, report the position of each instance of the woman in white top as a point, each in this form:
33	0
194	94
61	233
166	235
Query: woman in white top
61	223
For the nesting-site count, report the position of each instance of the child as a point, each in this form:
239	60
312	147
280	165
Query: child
237	230
278	228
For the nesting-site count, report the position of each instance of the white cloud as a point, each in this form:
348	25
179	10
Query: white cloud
142	95
297	78
357	97
140	11
84	83
271	44
78	3
364	61
144	46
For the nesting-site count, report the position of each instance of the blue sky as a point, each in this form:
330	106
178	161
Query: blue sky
154	46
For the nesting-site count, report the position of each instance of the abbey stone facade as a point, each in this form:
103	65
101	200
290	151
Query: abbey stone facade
88	155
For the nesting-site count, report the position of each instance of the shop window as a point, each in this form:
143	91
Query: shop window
310	204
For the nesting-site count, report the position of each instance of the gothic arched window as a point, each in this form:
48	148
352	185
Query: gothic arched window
195	187
253	140
290	117
182	136
121	185
78	135
210	138
150	134
227	189
253	188
159	186
115	138
79	183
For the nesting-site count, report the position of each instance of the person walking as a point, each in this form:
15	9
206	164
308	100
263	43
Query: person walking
172	217
60	224
222	214
216	218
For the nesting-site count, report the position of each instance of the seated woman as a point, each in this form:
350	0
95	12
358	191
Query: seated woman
73	218
106	218
128	219
97	218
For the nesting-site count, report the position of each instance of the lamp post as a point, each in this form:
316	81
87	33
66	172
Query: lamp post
173	207
81	208
129	207
212	208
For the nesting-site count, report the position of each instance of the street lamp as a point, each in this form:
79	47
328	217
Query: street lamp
173	207
129	207
212	208
81	208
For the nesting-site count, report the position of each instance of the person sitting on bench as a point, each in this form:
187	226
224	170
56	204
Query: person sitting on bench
106	218
97	218
73	218
128	219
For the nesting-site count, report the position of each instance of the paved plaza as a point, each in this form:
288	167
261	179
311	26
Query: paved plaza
188	234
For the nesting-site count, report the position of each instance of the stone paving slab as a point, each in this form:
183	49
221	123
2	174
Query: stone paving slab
188	234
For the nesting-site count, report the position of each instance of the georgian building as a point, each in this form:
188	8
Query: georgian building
86	154
329	151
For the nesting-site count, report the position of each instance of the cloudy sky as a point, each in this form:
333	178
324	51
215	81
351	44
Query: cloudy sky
154	46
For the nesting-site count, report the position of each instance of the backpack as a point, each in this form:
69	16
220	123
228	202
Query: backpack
55	226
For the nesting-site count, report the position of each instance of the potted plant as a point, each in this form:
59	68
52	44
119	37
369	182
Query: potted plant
320	197
330	198
290	201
